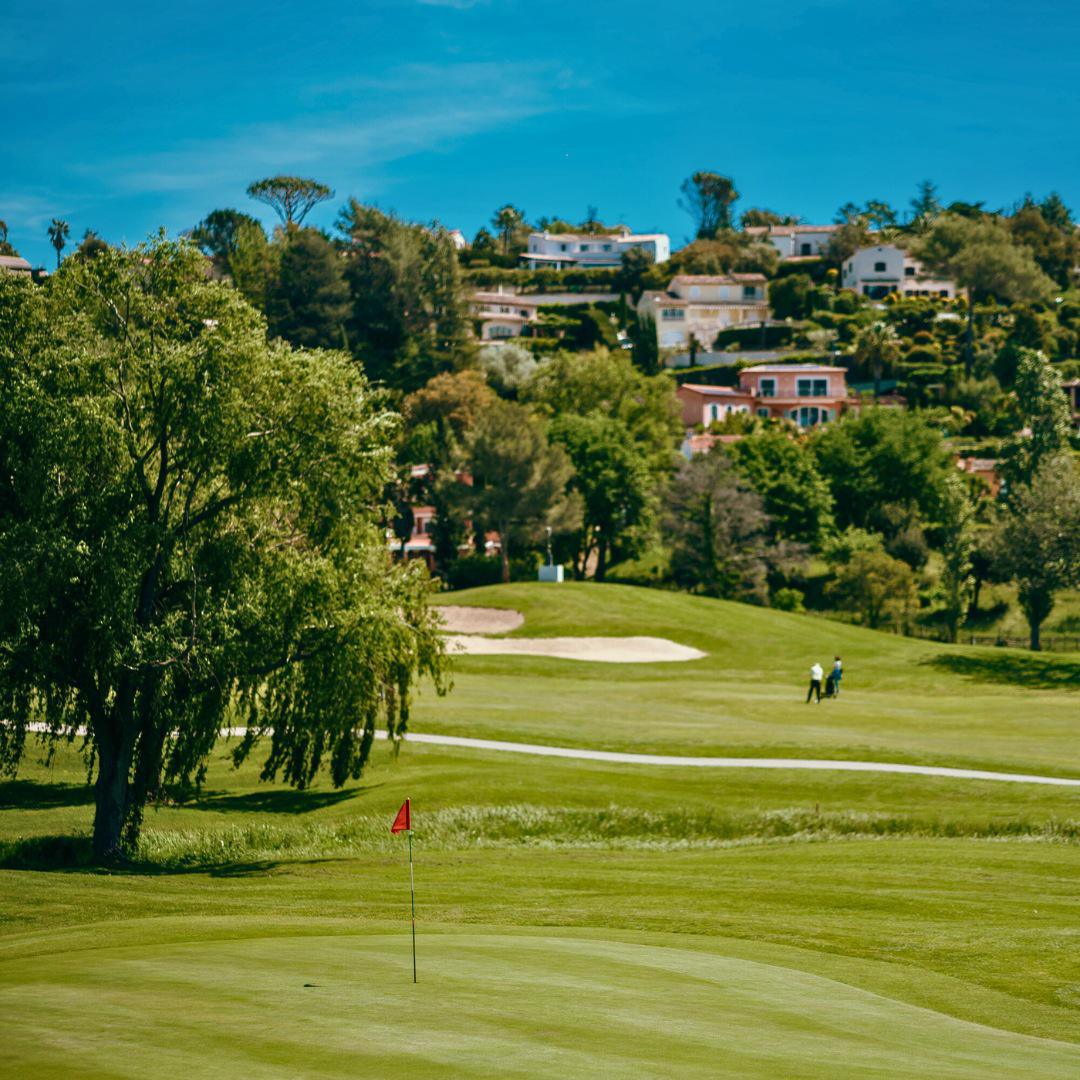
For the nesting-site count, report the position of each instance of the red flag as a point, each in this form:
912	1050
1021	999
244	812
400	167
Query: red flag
403	821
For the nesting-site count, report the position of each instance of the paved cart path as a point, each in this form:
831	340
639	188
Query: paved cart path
620	757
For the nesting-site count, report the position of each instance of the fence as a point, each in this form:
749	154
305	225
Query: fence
1050	642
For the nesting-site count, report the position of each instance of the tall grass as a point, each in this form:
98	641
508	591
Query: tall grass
615	827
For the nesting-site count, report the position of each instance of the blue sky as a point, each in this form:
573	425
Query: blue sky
122	118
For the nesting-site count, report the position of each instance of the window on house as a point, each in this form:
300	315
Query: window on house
607	247
672	313
804	249
584	247
813	387
909	271
562	247
879	268
714	412
501	331
762	411
749	292
809	415
767	388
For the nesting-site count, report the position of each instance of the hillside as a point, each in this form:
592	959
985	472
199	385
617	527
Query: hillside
903	699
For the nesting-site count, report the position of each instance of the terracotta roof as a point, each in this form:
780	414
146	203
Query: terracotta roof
771	368
716	279
715	391
789	230
15	263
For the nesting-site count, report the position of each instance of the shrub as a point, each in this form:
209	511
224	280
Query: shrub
789	600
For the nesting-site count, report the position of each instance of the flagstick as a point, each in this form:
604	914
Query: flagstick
412	897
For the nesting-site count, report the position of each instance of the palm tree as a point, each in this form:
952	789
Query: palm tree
58	234
878	346
507	221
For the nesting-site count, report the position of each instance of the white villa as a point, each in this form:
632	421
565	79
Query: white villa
878	271
795	241
696	307
503	314
559	251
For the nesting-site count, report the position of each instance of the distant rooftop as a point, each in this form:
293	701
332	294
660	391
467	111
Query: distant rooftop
788	230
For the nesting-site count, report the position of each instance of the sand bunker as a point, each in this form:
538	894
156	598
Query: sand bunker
613	650
463	625
479	620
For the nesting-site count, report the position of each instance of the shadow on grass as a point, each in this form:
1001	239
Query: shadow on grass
1027	672
275	802
34	795
74	854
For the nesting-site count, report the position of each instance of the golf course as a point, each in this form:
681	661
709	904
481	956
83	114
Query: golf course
580	917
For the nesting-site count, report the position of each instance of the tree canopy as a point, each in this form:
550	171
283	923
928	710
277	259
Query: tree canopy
190	528
708	198
292	198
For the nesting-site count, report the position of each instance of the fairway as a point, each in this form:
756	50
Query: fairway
597	917
489	1005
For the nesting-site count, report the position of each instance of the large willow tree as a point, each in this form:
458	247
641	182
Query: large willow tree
190	534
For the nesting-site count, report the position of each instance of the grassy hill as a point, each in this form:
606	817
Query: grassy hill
586	918
903	699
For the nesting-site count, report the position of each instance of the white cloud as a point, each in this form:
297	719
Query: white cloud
460	5
356	124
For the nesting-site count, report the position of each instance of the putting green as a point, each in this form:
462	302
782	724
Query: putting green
488	1005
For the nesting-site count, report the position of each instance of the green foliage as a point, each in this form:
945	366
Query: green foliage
979	254
785	475
509	368
727	252
218	235
881	457
788	599
718	531
957	542
59	231
509	225
1038	539
1044	410
90	246
757	217
612	478
519	478
869	581
307	301
253	263
608	384
409	318
186	527
292	198
1049	234
877	348
440	420
708	198
790	297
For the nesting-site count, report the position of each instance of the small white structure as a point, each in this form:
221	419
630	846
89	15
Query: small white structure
876	272
795	241
457	238
696	307
559	251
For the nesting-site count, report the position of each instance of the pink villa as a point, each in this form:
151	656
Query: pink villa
808	394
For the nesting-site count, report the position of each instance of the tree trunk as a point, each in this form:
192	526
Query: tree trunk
601	558
504	552
1035	642
969	345
111	789
973	607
